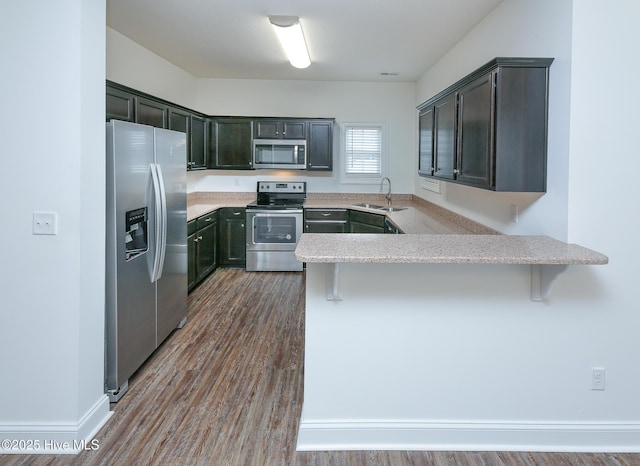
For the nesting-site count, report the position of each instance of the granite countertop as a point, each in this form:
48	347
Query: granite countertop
202	203
433	235
442	249
416	217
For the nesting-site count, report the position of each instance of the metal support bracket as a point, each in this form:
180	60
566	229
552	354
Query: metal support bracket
333	282
542	277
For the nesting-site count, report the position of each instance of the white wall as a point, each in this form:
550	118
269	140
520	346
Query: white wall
493	369
131	65
52	300
514	28
602	192
390	103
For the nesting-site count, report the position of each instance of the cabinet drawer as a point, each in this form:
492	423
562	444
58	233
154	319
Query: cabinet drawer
233	212
205	220
367	218
326	215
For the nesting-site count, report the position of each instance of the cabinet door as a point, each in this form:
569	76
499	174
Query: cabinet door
120	105
320	145
357	227
325	227
150	112
425	155
199	146
232	147
179	121
444	134
364	222
232	237
294	129
475	132
267	129
191	260
207	257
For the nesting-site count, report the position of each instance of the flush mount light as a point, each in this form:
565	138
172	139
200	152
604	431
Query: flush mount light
289	32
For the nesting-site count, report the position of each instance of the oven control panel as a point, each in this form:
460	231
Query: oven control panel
280	187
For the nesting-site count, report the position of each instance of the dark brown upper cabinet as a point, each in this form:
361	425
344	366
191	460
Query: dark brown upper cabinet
489	130
269	128
231	143
320	145
151	112
120	105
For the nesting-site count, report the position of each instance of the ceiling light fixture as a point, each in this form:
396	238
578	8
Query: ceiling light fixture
289	32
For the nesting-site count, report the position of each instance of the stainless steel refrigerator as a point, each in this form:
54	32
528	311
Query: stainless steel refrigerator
146	246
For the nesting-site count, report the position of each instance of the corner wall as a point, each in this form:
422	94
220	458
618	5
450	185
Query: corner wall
52	300
514	28
130	64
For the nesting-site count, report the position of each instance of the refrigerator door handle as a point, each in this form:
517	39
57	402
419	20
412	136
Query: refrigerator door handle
164	219
160	221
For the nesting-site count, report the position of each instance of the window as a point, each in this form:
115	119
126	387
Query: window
363	153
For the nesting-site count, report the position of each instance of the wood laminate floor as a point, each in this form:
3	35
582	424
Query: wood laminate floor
227	390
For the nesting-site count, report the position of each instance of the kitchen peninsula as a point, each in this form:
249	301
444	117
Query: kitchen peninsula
390	321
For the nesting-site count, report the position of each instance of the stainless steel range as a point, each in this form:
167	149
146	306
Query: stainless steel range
274	226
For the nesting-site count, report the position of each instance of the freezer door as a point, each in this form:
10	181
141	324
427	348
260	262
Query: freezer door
130	295
170	156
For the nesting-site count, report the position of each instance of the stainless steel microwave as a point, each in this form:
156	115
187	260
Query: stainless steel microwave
280	153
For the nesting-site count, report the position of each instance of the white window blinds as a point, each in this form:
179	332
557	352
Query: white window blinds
363	150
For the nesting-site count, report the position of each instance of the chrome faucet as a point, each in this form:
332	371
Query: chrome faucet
388	195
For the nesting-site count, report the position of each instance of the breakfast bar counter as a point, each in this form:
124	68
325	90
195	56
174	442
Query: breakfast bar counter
408	336
443	249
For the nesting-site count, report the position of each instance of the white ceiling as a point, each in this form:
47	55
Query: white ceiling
348	40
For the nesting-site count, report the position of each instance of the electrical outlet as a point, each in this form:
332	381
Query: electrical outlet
45	223
597	378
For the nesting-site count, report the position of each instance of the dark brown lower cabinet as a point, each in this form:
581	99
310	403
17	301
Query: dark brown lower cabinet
364	222
318	220
202	248
232	239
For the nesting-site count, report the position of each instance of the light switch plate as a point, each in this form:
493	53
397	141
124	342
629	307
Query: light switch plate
45	223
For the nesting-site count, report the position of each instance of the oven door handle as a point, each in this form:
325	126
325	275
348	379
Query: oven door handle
271	213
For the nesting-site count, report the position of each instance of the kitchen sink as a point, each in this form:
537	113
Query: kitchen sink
391	208
380	207
369	206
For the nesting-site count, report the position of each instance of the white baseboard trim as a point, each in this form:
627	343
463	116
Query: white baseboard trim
472	436
55	439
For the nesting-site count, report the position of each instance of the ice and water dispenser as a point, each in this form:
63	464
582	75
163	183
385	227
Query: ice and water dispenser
136	235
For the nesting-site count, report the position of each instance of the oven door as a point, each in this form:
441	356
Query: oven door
273	230
272	237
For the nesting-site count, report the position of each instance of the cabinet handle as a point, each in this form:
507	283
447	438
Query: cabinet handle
236	213
199	238
456	171
208	219
325	214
